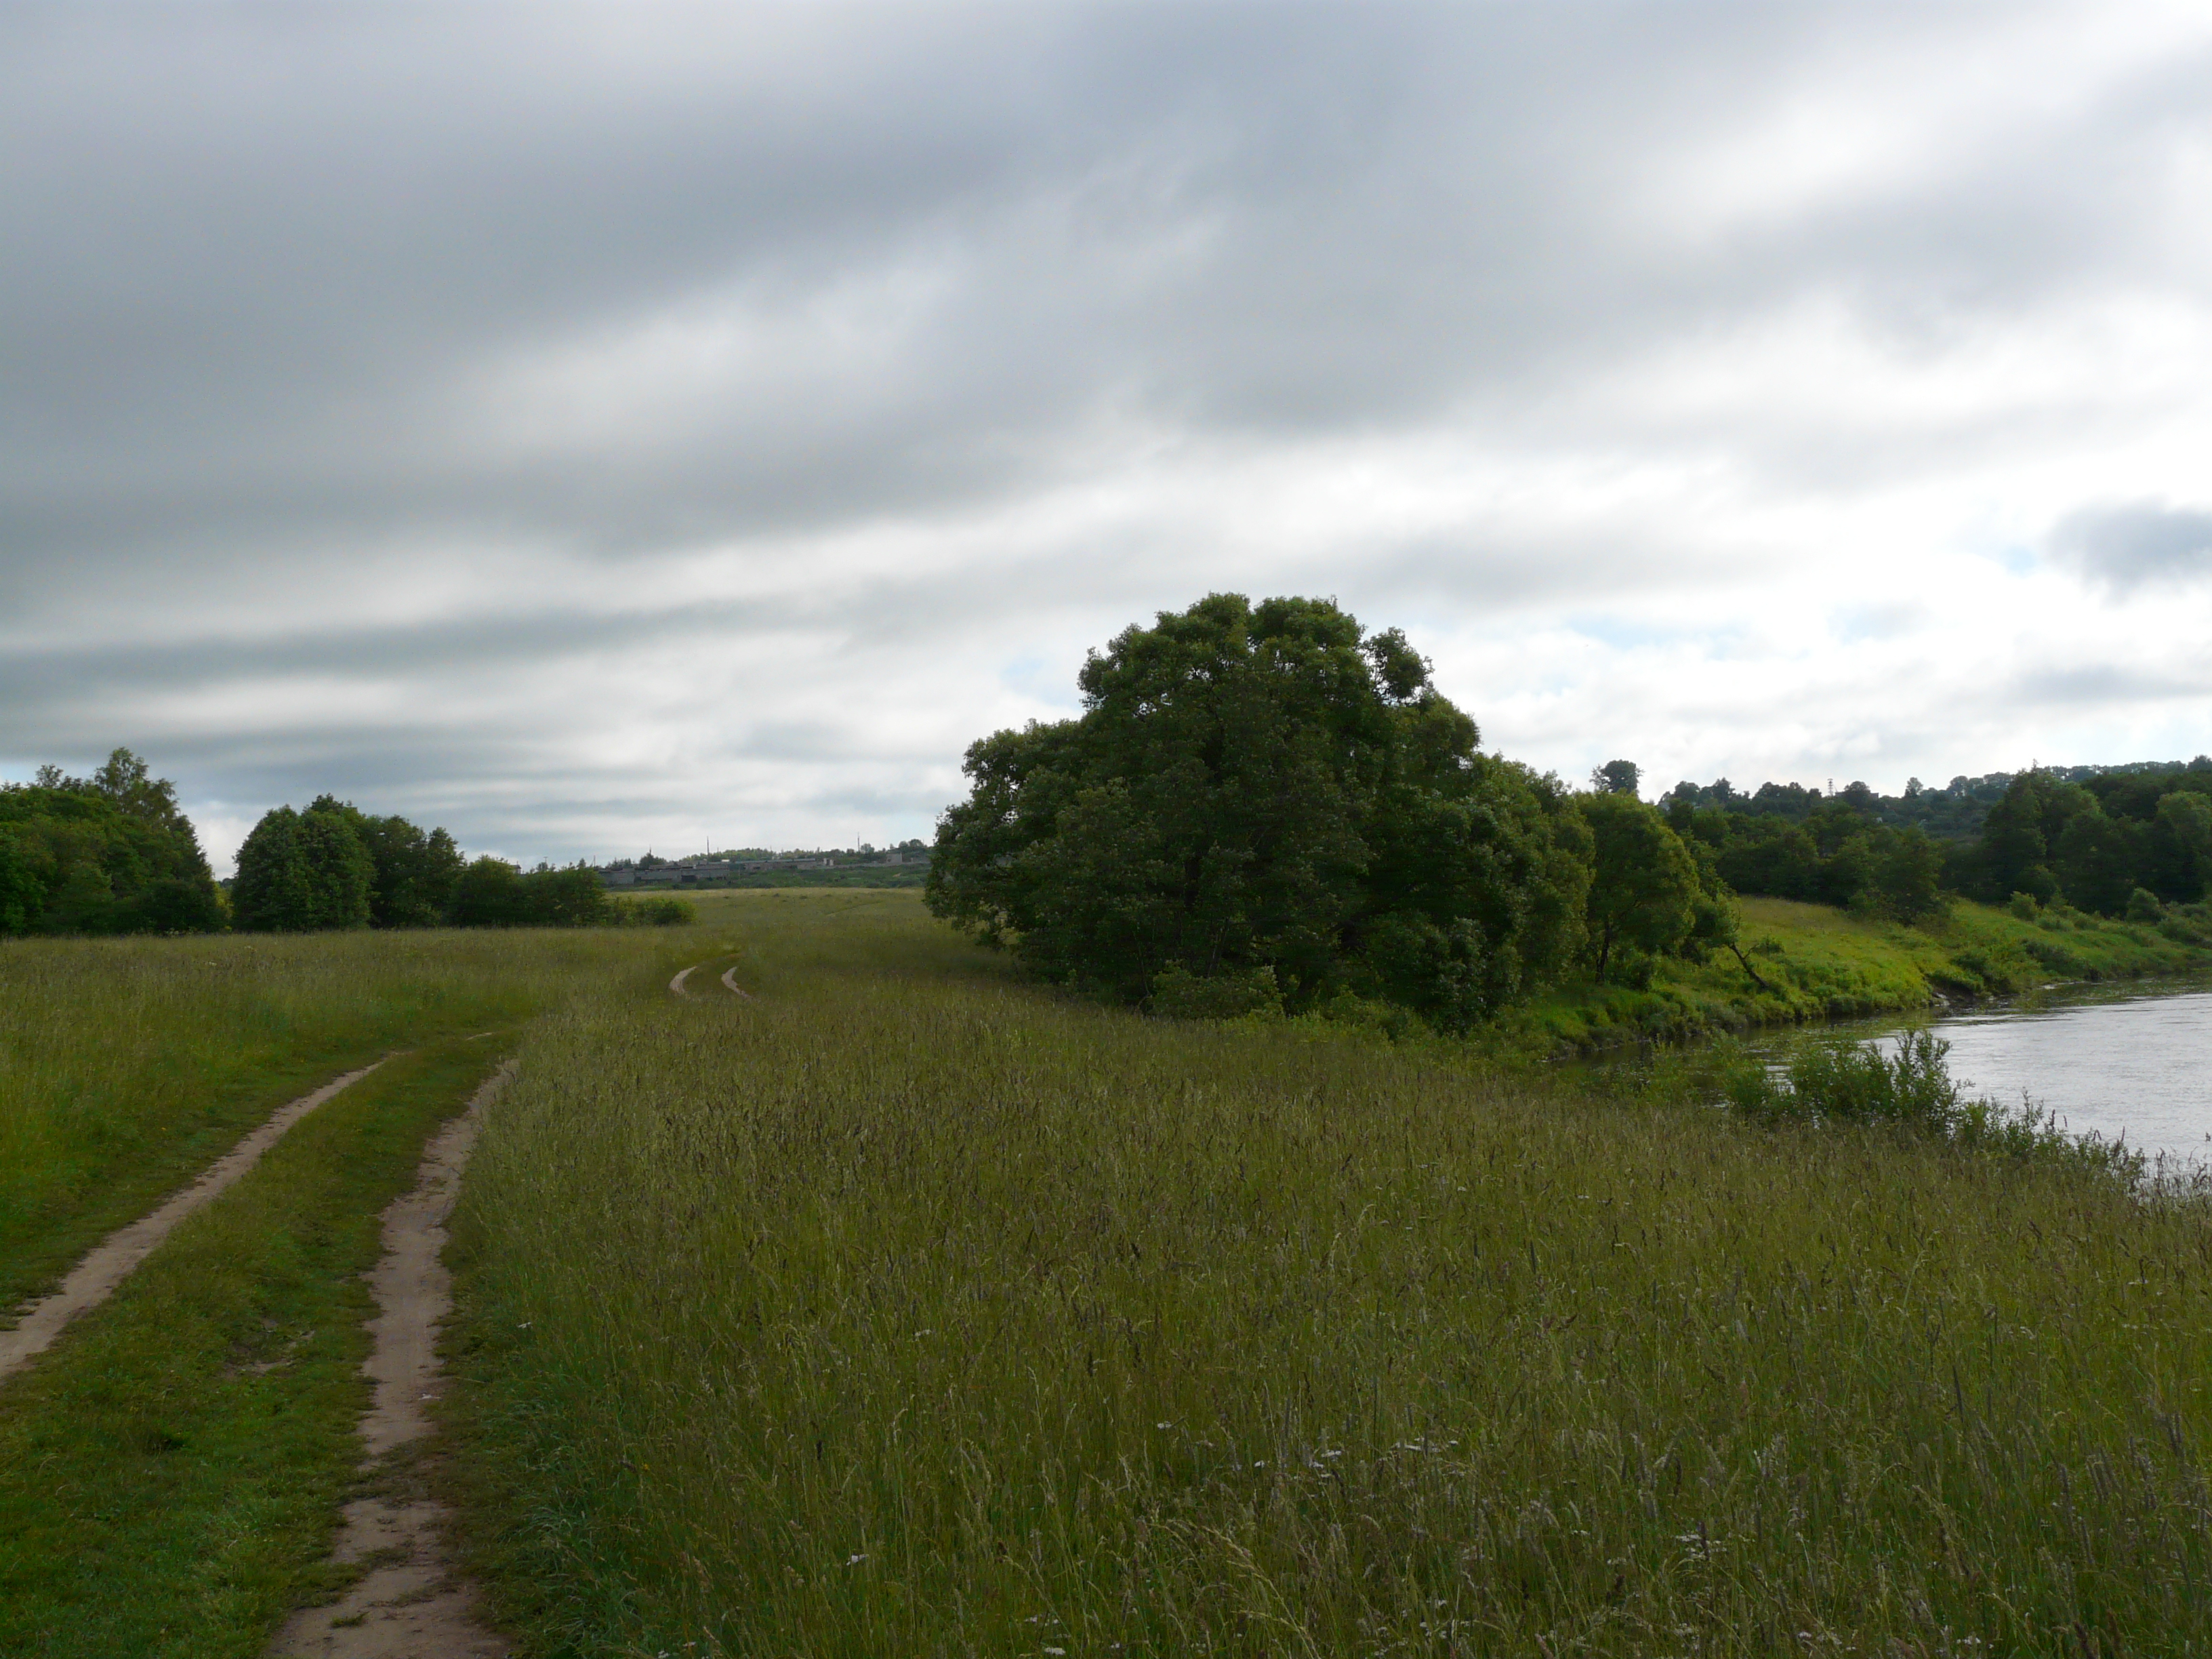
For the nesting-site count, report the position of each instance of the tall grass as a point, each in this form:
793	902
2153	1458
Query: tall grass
126	1066
900	1310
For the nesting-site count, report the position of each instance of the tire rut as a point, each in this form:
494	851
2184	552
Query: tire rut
115	1258
412	1603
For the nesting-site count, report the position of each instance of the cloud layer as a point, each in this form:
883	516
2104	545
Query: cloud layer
604	427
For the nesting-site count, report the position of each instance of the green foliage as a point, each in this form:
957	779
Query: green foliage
416	871
2089	836
304	872
1177	994
2094	844
335	866
493	893
1837	1083
106	854
1266	787
1833	853
1644	887
1616	777
653	912
1814	961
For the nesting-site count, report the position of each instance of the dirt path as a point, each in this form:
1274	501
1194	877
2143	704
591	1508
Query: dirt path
411	1604
729	979
111	1262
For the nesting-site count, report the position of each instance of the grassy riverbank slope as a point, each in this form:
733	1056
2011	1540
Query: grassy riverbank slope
1820	962
901	1309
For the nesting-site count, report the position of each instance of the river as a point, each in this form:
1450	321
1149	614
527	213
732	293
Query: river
2133	1062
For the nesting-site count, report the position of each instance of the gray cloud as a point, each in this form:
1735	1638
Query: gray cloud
2132	544
825	361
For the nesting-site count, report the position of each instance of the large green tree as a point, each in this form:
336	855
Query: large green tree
303	872
1266	794
1644	887
418	873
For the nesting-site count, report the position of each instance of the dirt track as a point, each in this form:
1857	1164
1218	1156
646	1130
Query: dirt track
729	979
111	1262
411	1604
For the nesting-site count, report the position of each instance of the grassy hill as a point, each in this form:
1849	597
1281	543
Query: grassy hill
1820	962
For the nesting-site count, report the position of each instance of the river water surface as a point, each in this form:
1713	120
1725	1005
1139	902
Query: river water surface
2135	1062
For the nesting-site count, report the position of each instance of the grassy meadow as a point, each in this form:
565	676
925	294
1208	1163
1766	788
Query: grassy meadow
127	1066
170	1470
905	1309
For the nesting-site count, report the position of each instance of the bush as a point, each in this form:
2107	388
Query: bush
1178	994
1912	1091
493	893
653	913
2053	956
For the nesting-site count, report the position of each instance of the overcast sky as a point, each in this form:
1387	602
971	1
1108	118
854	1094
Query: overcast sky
597	429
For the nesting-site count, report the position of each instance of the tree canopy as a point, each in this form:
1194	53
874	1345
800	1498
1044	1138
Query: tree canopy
304	872
335	866
109	854
1270	797
2118	840
1644	889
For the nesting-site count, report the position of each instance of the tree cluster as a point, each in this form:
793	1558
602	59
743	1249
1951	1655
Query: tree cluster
335	866
2113	845
1837	853
109	854
2107	839
1266	806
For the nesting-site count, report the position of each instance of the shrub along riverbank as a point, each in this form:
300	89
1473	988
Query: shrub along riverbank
904	1309
1815	963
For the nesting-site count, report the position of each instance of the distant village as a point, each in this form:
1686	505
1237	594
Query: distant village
710	868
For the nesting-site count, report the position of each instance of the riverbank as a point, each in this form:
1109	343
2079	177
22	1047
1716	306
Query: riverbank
1814	962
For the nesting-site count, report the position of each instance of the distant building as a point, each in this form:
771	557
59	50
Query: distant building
693	873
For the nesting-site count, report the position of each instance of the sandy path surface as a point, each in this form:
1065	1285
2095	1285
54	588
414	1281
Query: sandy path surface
676	984
730	979
411	1604
111	1262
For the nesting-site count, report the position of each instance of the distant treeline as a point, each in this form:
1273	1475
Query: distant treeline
335	866
112	853
2102	839
109	854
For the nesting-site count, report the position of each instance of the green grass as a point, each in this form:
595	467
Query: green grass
170	1470
128	1066
902	1310
1820	962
